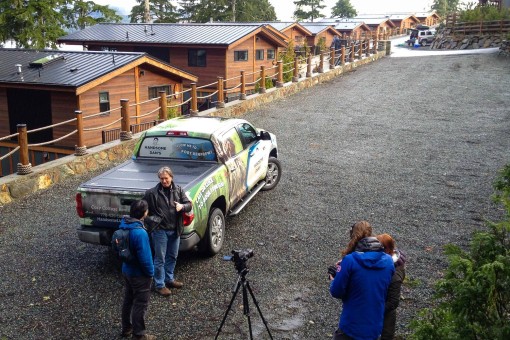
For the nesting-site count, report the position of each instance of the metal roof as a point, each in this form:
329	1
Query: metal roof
177	34
347	25
66	68
315	28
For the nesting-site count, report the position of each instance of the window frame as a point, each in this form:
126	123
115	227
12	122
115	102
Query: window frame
258	52
273	53
157	88
196	60
237	54
104	105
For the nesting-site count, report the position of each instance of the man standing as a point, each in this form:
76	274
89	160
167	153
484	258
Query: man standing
137	273
168	202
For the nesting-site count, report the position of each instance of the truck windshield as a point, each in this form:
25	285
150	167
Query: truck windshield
177	148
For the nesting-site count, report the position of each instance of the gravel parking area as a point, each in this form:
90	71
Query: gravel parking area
411	145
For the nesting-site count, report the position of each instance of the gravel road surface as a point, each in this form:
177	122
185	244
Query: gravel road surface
410	144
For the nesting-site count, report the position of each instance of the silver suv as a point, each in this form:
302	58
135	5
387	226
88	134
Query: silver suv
425	37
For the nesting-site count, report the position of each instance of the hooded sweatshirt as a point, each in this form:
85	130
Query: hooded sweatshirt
362	282
140	247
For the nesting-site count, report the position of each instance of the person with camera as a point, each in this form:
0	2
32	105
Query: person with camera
137	273
167	204
393	296
361	280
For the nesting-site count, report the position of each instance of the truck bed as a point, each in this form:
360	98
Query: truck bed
141	174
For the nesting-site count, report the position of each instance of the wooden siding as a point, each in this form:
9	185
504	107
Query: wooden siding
215	63
296	35
234	68
4	113
63	105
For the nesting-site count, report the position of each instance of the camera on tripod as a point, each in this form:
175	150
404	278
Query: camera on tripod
239	258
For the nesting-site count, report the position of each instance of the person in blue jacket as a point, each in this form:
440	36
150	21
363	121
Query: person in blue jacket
137	274
361	281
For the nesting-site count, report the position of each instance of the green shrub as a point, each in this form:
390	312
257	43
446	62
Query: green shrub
483	13
474	295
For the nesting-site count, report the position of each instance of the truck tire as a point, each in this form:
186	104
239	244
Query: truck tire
212	241
274	173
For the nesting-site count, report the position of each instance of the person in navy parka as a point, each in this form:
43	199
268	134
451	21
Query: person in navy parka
361	281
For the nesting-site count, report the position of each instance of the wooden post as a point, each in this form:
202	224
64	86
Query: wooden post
295	75
309	66
375	43
243	86
262	83
342	55
321	62
332	58
279	81
221	96
360	49
351	54
125	131
194	105
79	148
24	167
367	47
162	116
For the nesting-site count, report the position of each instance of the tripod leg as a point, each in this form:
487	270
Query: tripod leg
246	308
229	308
247	284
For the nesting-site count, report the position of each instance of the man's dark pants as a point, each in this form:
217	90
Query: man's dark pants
136	300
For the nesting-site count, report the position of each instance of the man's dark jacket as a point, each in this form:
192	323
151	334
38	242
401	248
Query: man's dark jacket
160	205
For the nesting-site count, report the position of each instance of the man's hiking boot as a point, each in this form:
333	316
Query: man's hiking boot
163	291
144	337
174	284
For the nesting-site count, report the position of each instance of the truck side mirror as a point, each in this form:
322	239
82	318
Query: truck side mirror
264	135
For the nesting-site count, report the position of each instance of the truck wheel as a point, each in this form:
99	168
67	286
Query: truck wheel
423	42
212	241
274	173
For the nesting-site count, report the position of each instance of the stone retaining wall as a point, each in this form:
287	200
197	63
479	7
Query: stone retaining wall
445	40
15	186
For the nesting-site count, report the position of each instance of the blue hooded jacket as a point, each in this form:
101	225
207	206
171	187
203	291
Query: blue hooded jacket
362	282
140	247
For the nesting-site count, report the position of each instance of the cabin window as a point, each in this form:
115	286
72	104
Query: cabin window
298	38
241	55
104	102
197	58
154	91
270	54
259	54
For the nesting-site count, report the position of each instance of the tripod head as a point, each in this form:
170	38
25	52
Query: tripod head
240	259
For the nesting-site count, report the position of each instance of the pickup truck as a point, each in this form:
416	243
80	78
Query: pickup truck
221	164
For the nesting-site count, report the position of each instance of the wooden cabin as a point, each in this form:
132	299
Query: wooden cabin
428	18
43	88
322	35
209	50
404	22
354	30
295	32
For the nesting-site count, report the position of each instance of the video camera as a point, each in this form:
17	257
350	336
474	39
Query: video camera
239	258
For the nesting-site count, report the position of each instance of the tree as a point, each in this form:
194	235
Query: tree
314	9
474	296
32	23
160	11
249	10
444	7
343	9
80	14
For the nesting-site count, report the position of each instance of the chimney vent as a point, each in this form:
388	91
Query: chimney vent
18	68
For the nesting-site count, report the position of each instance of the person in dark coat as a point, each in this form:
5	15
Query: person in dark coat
393	296
168	202
361	281
137	273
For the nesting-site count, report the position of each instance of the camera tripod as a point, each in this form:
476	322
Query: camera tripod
243	282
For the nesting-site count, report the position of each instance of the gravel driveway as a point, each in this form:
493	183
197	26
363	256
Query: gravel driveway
412	145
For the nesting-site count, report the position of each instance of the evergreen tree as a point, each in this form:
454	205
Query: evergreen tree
444	7
160	11
308	9
254	10
343	9
80	14
32	23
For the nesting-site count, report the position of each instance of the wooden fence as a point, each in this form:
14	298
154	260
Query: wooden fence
478	27
24	155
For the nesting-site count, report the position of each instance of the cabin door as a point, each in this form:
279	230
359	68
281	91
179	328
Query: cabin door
33	108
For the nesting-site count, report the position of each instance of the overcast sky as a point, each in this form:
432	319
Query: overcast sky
285	8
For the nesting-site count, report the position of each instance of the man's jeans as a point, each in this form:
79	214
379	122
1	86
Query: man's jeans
166	248
136	300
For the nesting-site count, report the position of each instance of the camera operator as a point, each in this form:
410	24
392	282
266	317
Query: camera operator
361	281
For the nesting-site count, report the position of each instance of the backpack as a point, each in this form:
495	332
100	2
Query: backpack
120	245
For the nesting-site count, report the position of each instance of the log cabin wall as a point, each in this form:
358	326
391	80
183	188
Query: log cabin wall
120	87
63	105
297	36
251	65
150	79
4	113
215	63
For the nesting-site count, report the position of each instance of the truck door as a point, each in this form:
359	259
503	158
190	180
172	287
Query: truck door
231	150
258	154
